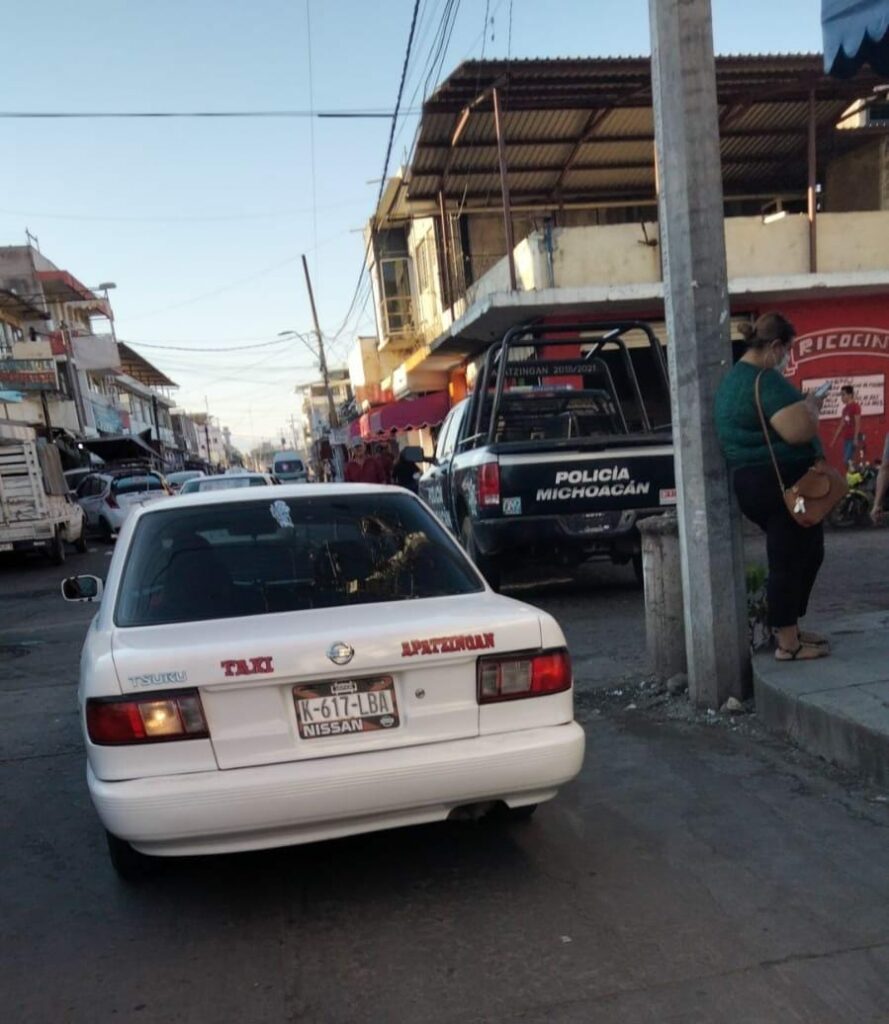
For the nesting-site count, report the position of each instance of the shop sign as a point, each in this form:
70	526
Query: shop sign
826	344
29	375
870	394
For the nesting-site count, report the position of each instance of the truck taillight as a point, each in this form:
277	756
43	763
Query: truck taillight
488	484
523	675
111	721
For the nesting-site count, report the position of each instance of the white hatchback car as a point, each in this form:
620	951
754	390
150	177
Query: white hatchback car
280	665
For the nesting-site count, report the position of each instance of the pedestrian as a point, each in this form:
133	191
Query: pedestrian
794	552
384	457
849	425
882	484
363	468
405	474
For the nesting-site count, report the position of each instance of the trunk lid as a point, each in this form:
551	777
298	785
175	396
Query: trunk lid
613	479
247	670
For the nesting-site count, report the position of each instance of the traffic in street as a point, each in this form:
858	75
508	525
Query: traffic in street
647	890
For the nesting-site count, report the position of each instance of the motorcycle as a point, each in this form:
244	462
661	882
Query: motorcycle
854	509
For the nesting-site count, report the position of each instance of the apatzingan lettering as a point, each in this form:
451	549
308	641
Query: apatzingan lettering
605	482
447	644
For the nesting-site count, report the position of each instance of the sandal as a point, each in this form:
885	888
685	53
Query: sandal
804	652
813	639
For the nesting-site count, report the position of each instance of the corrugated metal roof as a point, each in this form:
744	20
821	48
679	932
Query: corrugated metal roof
582	129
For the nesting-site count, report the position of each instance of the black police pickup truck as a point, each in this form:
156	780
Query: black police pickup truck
563	446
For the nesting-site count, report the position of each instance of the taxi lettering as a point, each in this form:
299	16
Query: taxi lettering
447	644
248	666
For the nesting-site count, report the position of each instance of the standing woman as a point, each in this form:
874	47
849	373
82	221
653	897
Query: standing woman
795	553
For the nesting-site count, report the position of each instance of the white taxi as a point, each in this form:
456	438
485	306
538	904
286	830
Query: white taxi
280	665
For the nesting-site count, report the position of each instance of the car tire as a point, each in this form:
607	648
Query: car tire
128	863
487	565
57	551
106	531
637	570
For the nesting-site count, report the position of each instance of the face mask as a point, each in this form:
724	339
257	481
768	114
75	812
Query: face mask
783	362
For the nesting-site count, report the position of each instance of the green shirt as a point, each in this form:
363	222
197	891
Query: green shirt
737	421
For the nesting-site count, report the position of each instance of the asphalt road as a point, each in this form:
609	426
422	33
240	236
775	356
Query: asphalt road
695	872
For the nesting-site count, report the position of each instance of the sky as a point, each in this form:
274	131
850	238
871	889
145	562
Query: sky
201	223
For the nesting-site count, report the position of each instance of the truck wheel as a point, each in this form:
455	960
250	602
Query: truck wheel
57	552
80	543
487	565
130	865
637	570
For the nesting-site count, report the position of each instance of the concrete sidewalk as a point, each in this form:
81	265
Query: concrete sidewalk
836	707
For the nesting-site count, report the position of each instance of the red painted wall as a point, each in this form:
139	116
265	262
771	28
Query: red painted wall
845	340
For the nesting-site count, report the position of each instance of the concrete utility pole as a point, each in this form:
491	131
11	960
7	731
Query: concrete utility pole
322	358
683	77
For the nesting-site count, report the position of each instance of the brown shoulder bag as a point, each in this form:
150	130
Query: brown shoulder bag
818	491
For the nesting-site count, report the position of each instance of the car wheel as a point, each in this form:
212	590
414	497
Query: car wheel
129	864
487	565
105	530
57	552
637	569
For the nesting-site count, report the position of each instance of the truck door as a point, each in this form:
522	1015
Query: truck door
435	484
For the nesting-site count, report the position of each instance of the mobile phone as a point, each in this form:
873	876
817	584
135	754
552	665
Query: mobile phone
823	390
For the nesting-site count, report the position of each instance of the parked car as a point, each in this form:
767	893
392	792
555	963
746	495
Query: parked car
271	667
182	476
107	498
558	457
227	481
74	477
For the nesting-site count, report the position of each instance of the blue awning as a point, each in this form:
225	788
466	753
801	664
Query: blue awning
11	396
856	32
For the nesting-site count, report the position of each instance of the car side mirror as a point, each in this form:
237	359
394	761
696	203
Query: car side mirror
82	589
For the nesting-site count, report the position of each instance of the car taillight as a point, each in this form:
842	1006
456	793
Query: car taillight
523	675
111	501
148	719
488	484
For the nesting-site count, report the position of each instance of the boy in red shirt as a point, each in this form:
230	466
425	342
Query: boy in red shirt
849	425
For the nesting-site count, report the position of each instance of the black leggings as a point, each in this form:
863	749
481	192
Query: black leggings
795	553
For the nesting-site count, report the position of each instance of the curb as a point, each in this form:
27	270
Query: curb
836	708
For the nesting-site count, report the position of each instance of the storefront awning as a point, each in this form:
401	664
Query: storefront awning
856	32
124	447
411	414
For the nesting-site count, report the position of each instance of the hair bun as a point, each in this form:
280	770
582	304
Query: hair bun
747	330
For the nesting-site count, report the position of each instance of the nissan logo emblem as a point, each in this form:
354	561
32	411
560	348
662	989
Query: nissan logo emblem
340	654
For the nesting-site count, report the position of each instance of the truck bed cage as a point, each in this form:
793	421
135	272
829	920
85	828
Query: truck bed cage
498	367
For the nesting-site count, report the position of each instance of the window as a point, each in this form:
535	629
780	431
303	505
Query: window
444	440
137	484
396	285
262	557
425	262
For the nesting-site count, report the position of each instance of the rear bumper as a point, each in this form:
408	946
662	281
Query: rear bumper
307	801
496	536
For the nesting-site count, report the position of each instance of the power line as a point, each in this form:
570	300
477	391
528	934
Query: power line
174	114
383	176
191	348
184	218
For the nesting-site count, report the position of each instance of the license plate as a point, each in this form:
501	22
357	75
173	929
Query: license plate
5	547
345	706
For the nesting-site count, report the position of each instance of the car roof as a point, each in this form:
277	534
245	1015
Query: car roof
227	495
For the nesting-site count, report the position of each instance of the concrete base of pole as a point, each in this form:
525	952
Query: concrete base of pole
664	611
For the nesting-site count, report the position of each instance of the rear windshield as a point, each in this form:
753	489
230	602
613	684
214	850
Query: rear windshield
137	484
258	557
225	483
526	415
283	466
